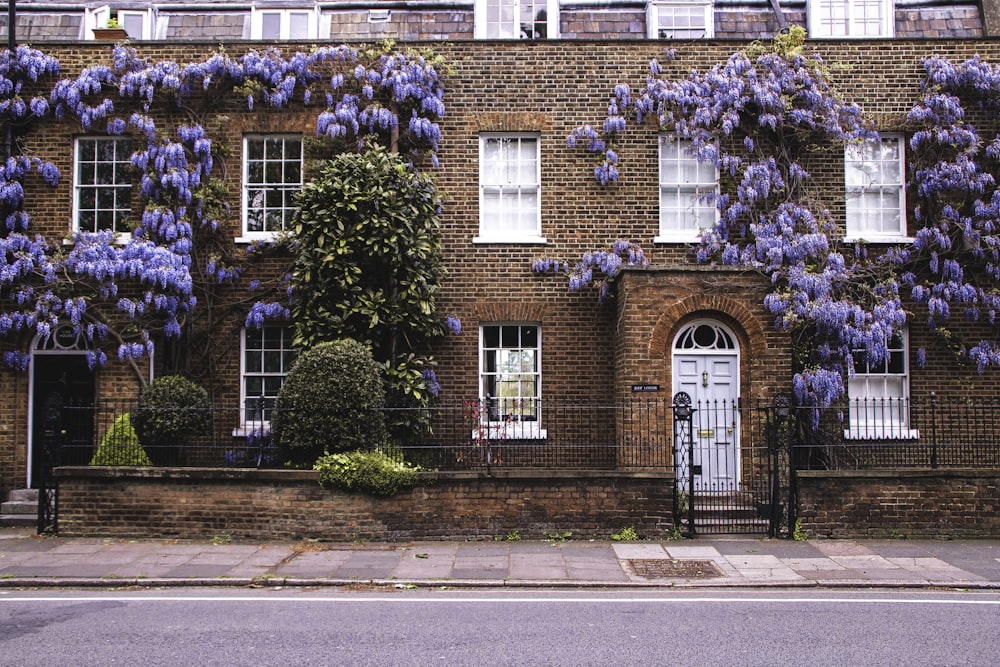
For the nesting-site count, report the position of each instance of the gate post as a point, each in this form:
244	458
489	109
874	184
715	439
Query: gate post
48	494
684	421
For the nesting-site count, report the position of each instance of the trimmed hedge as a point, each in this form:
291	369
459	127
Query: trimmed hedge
328	402
120	446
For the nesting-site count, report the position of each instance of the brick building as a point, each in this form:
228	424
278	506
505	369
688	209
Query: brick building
524	75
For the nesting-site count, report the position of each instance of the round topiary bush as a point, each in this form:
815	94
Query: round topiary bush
120	446
329	402
170	409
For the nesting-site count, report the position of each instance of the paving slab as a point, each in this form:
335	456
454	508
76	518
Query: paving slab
26	560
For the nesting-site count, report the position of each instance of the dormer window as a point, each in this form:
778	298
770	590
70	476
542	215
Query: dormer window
138	23
275	24
680	20
850	18
517	19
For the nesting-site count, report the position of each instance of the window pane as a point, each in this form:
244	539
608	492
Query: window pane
298	25
270	25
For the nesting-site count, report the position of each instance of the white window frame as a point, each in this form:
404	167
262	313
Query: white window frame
868	176
658	12
697	191
121	162
503	185
287	188
879	398
518	414
822	14
285	16
487	25
286	354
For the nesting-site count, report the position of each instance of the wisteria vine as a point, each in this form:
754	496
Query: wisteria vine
134	290
760	118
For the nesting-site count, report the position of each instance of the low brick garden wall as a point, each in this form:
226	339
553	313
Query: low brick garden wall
921	503
289	504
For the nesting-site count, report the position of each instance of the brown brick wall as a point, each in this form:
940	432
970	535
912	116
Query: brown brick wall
291	505
590	351
908	503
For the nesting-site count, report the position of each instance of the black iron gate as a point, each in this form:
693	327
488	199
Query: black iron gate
52	432
730	465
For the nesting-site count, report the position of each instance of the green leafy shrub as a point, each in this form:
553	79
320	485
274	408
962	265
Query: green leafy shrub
120	446
372	472
169	409
328	402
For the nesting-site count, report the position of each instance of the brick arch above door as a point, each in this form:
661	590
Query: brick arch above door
661	338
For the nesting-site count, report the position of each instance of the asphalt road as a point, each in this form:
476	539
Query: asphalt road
443	627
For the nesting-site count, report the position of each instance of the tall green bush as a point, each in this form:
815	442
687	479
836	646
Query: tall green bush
328	402
120	446
369	265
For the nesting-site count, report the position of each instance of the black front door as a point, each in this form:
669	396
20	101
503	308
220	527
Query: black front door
62	393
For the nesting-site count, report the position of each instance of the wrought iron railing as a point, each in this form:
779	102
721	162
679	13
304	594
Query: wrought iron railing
630	435
899	433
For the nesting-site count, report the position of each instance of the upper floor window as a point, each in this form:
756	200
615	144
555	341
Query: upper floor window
517	19
879	394
511	378
509	189
851	18
272	177
274	24
267	355
680	20
874	184
686	187
103	184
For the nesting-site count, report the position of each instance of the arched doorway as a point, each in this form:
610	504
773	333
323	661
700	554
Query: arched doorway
706	363
62	395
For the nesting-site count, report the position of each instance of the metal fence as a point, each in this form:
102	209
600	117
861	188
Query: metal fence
899	433
632	435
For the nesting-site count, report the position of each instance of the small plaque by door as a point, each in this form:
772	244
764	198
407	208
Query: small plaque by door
706	433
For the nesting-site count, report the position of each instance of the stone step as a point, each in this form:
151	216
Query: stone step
24	494
19	507
21	510
18	520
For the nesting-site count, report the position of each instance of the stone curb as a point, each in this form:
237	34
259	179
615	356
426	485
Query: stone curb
278	582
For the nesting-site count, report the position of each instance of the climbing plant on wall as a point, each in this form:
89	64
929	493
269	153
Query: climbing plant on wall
759	118
147	287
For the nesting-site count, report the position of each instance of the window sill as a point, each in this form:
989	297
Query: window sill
497	435
879	239
677	238
882	432
251	429
121	238
511	240
257	237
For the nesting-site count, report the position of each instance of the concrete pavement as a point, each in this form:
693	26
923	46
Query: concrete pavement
27	560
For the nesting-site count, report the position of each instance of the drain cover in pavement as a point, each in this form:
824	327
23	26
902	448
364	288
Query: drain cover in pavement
665	568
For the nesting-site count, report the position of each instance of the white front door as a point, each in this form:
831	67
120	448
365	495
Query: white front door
709	374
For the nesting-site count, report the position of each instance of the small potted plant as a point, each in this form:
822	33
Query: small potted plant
112	31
